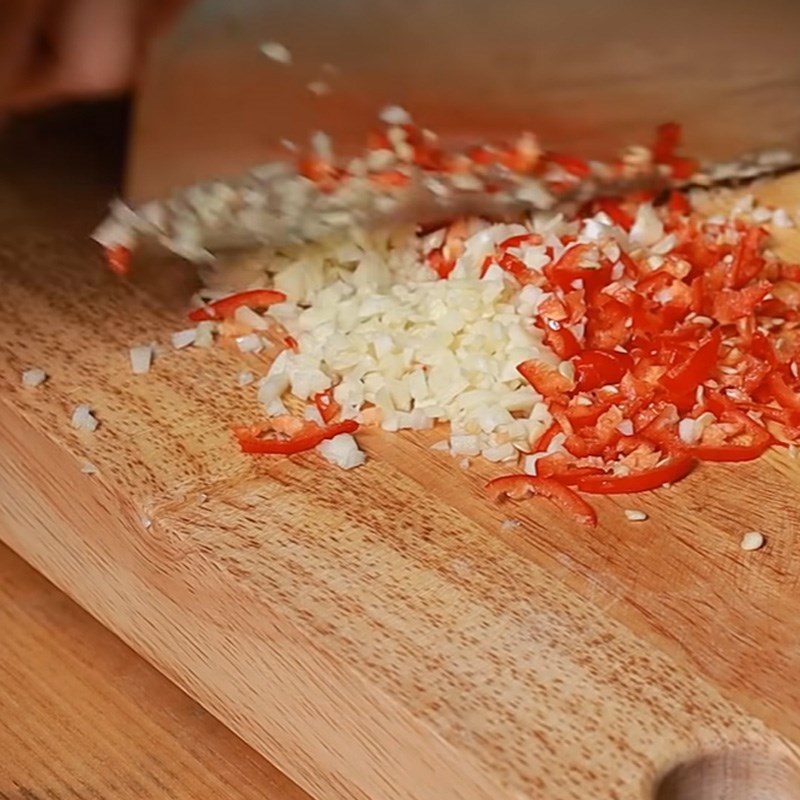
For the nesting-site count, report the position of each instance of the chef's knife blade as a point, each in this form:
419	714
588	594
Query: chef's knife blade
586	76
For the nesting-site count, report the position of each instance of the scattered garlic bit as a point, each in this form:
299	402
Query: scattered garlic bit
319	88
87	468
31	378
245	378
510	524
276	52
251	343
204	334
83	419
141	358
145	520
311	413
752	540
251	318
395	115
342	451
184	338
635	515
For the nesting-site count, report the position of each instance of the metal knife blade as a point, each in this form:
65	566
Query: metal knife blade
584	75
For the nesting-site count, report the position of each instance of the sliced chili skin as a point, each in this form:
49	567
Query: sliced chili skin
595	368
570	477
517	487
441	265
686	376
226	307
547	380
678	202
307	439
730	305
760	443
670	472
561	340
543	442
571	164
522	238
612	208
118	258
328	407
784	395
581	416
729	453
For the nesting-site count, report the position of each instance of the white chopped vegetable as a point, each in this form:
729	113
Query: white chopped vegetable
83	419
687	431
250	318
343	451
465	445
319	88
276	52
141	358
250	343
87	468
31	378
204	333
184	338
635	515
272	387
395	115
752	540
311	413
502	452
647	228
245	378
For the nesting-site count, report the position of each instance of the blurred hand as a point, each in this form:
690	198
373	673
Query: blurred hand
54	50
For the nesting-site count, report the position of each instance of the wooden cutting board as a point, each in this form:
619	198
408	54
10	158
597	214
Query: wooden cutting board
385	633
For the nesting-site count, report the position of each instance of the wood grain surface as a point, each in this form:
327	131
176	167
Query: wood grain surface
85	717
381	634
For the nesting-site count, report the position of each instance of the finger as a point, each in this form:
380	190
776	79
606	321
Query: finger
19	23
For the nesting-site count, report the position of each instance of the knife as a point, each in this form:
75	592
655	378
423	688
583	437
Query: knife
586	76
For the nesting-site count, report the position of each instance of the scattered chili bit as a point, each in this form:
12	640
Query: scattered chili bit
291	344
518	487
226	307
646	480
266	439
118	259
328	408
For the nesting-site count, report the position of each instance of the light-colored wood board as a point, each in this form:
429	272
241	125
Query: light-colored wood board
380	633
84	716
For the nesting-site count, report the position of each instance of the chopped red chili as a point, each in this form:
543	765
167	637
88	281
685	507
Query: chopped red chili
226	307
673	470
252	440
518	487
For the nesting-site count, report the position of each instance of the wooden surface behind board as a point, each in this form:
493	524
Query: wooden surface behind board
380	633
